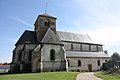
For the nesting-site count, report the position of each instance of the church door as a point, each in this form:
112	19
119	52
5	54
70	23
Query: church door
90	67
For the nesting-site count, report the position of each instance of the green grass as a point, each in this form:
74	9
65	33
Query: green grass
103	75
40	76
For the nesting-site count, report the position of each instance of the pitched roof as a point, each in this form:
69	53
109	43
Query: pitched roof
86	54
27	37
68	36
51	38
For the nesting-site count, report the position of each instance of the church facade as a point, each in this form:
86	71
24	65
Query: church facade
46	49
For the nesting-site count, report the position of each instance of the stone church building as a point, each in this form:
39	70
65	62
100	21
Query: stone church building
46	49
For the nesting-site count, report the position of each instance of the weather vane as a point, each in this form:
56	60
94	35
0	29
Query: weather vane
46	8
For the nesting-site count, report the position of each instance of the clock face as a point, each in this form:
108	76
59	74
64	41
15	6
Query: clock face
52	24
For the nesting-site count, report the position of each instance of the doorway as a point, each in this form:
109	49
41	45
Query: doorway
90	67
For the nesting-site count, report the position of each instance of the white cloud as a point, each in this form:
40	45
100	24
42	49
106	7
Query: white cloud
104	19
22	21
107	35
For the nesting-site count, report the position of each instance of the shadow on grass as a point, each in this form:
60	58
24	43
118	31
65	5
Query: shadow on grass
5	73
8	73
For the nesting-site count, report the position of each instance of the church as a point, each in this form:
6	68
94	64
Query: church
46	49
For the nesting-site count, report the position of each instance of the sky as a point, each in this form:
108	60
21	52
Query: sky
100	19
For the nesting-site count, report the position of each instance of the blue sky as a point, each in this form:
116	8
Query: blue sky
97	18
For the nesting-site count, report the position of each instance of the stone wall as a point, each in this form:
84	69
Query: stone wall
22	58
60	59
16	53
36	61
82	47
73	63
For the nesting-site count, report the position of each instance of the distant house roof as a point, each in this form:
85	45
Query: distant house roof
27	37
86	54
4	66
51	38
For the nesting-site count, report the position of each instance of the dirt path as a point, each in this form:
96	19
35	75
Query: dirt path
87	76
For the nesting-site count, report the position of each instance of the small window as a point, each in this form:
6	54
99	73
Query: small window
48	24
45	23
52	54
98	62
79	62
106	60
71	46
68	63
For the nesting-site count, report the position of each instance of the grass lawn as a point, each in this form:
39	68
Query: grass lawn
40	76
103	75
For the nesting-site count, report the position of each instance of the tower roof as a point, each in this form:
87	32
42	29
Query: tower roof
47	15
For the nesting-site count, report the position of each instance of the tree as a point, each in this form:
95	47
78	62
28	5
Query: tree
105	51
114	59
112	64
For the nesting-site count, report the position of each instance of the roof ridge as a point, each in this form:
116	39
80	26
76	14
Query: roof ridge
73	33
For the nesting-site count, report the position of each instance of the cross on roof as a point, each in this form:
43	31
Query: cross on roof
46	8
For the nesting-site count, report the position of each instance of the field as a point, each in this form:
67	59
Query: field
40	76
103	75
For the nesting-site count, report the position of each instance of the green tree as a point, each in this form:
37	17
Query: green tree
105	51
114	59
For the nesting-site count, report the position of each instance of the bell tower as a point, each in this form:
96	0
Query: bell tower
42	24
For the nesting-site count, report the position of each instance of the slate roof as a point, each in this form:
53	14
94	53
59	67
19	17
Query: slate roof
73	37
86	54
27	37
51	38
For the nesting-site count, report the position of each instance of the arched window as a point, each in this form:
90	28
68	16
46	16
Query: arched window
68	63
98	62
79	62
52	54
71	46
106	60
48	24
45	23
